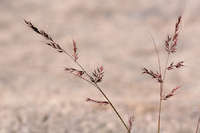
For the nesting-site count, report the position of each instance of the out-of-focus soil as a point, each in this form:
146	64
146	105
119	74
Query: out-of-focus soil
37	96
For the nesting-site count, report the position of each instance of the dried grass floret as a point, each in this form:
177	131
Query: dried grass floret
172	93
97	101
154	75
97	74
75	54
198	124
40	32
75	71
130	122
171	41
177	65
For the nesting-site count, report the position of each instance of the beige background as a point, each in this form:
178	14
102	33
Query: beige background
37	96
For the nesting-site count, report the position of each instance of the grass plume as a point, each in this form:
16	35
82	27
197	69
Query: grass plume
94	79
170	46
96	76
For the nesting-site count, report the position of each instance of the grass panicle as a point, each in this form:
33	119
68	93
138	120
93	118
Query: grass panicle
170	46
94	78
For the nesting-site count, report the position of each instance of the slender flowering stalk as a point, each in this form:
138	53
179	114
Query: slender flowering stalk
198	124
130	121
160	76
75	55
94	78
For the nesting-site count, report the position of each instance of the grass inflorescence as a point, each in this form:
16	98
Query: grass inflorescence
96	76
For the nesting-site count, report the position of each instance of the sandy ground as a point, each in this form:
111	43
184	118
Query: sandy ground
37	96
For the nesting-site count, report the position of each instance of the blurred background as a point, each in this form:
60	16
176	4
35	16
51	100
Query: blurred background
37	96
